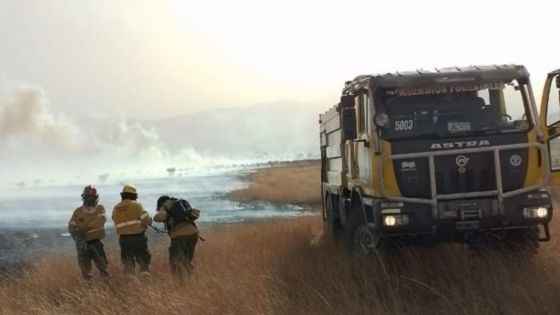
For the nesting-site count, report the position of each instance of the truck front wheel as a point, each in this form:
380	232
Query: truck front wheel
361	238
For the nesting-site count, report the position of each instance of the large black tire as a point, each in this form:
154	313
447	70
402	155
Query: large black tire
333	228
359	237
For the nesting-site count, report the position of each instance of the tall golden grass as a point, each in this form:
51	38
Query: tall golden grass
284	184
278	267
284	266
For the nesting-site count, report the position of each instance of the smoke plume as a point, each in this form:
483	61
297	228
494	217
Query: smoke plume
38	144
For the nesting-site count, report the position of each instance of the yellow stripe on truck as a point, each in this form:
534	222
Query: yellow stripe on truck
389	183
534	171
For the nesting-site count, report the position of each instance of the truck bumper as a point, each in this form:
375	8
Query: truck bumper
466	215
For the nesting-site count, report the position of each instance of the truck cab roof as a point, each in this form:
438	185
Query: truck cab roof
443	76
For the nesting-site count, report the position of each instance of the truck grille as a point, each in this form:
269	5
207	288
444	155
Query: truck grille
452	182
413	174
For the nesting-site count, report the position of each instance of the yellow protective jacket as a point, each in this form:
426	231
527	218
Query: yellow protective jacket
179	229
88	221
130	217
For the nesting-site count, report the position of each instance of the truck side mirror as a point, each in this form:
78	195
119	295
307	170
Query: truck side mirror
348	116
347	101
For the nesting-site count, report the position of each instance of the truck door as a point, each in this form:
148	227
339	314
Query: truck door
550	120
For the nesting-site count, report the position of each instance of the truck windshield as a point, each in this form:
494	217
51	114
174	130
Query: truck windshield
444	111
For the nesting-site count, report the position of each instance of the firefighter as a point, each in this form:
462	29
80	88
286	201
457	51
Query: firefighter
87	227
183	233
131	221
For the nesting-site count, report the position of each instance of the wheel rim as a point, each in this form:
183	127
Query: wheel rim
365	240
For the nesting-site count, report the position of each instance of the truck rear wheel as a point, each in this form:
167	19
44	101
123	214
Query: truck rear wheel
332	225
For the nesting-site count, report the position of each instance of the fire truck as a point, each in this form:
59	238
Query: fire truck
445	154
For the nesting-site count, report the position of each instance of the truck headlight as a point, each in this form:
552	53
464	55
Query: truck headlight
542	213
535	212
390	220
396	220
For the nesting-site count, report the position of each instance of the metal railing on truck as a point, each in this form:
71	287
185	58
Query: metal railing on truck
435	197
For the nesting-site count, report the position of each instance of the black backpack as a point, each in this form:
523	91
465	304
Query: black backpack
181	211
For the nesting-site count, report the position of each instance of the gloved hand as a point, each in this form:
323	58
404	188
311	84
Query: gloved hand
79	232
79	236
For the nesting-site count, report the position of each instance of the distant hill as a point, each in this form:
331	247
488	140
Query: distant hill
277	129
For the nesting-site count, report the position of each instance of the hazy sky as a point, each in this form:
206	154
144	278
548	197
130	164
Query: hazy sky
157	58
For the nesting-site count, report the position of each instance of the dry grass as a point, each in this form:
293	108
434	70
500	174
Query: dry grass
274	267
282	267
284	184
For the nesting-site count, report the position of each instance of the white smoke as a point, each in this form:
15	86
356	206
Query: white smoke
40	146
37	145
24	115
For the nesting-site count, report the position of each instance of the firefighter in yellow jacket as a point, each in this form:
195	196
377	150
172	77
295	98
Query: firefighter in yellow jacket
131	221
183	233
87	227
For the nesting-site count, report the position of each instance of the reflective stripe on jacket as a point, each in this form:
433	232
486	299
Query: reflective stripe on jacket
130	217
90	221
